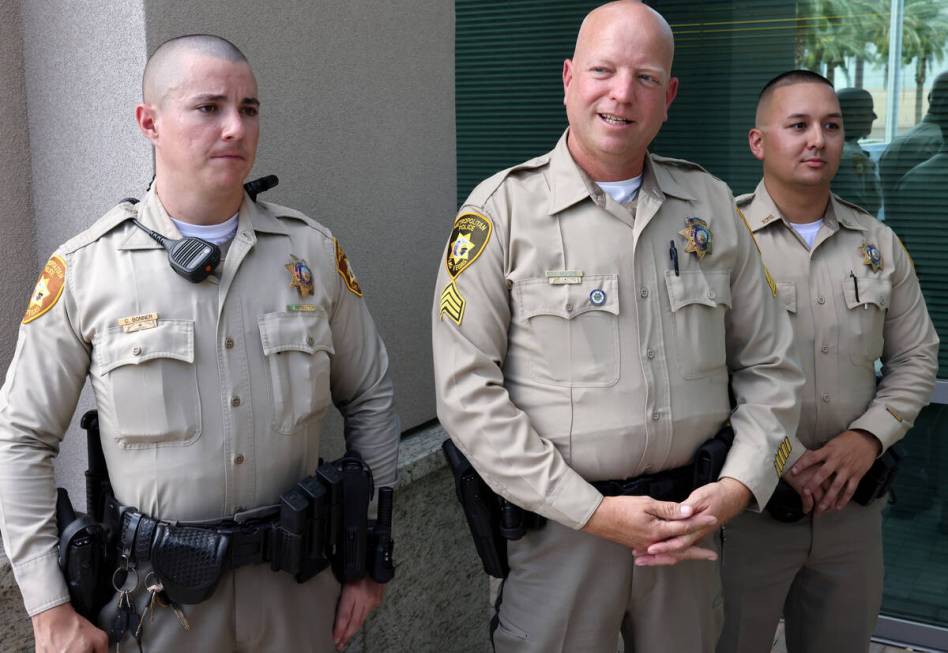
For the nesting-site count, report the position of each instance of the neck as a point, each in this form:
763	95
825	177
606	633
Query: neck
799	204
198	208
618	169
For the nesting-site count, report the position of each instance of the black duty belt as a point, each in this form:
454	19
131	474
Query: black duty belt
668	485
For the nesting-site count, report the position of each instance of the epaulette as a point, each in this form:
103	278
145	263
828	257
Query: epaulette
678	163
117	215
281	212
853	206
483	191
743	200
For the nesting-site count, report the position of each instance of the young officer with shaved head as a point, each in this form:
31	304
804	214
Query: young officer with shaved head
210	392
853	297
591	306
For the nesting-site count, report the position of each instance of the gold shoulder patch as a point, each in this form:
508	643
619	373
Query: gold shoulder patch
782	455
469	237
345	271
49	288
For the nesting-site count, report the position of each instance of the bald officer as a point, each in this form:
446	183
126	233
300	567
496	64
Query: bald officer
590	307
852	296
210	394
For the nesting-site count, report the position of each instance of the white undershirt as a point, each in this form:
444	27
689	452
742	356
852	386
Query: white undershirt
622	191
214	233
808	230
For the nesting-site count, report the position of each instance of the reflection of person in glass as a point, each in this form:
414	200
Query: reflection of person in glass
917	145
852	296
917	214
858	179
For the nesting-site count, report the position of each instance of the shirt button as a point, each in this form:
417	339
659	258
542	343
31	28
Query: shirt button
820	300
656	417
239	460
650	353
825	397
825	349
235	401
711	294
310	340
136	350
644	293
229	342
569	308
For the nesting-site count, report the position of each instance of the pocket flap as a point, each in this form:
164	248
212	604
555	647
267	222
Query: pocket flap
295	331
787	295
167	339
871	291
596	292
706	288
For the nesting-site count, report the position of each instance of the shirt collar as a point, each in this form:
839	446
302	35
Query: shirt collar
571	184
762	211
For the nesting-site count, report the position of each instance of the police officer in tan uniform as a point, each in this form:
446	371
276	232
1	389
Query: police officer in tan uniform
580	338
210	394
853	297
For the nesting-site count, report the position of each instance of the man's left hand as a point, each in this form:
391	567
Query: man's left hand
846	458
358	599
724	500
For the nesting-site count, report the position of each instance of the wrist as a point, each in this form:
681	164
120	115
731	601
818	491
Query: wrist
872	440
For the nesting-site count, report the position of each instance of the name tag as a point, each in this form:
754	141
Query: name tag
564	277
301	308
141	322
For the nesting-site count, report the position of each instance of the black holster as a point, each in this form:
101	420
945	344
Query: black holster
786	506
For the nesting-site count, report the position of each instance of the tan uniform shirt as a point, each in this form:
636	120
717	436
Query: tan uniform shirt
838	335
567	350
210	400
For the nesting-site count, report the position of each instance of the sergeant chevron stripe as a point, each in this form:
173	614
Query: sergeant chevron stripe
452	303
782	455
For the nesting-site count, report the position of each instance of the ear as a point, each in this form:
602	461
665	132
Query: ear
755	139
567	77
671	92
147	119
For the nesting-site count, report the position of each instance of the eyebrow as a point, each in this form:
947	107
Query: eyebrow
218	98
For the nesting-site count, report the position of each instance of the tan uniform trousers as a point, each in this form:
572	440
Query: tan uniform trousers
572	592
253	610
823	573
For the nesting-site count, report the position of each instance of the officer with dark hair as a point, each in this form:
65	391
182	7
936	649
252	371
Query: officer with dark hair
210	395
858	178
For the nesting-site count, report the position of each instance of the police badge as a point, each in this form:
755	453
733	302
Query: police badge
301	277
871	256
698	235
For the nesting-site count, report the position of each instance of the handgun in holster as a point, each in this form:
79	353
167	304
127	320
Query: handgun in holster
86	549
786	506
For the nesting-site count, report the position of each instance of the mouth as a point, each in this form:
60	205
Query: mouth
814	162
228	155
612	119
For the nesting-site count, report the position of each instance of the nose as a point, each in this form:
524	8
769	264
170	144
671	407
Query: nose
622	89
817	138
233	125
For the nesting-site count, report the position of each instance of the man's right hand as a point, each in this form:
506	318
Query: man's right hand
637	522
62	630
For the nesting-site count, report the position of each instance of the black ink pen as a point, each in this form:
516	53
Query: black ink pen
673	255
855	286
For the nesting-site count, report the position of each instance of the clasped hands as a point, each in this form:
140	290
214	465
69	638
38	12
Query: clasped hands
826	478
665	532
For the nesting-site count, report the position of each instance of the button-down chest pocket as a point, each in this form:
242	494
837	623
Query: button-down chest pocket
151	380
699	302
865	316
572	330
298	347
787	296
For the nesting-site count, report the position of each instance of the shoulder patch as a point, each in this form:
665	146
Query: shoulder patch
469	237
48	290
345	271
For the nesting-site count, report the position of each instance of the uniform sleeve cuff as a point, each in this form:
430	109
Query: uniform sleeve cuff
41	583
758	470
573	504
889	427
